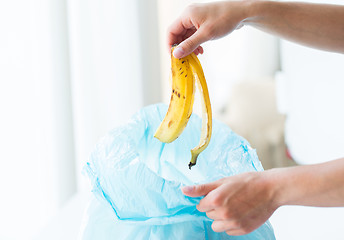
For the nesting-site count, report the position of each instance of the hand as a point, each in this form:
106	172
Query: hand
202	22
238	204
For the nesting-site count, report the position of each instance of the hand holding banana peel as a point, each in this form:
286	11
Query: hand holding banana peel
186	72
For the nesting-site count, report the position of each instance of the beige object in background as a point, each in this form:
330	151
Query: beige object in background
252	113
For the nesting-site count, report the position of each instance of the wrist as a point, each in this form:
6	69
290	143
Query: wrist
291	186
278	185
249	11
241	12
255	10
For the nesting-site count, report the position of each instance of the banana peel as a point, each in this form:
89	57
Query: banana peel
185	73
206	109
181	103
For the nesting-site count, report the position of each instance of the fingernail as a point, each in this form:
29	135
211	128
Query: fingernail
188	189
178	52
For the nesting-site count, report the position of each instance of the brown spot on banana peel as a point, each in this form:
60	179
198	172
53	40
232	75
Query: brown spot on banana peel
170	123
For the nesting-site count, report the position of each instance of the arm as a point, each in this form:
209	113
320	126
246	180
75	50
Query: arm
240	204
316	25
319	185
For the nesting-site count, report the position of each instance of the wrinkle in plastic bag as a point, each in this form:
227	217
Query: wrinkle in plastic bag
136	180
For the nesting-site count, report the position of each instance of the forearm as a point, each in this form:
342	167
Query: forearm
316	25
311	185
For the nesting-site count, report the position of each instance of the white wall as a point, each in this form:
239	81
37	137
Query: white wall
37	155
311	87
69	72
115	67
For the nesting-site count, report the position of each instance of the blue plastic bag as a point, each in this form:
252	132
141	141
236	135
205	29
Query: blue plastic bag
136	181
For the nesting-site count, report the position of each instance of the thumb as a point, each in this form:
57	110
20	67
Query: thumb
199	190
190	44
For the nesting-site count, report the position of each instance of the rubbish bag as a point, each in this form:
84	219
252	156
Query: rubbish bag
136	181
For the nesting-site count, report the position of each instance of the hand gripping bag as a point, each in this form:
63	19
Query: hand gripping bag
136	181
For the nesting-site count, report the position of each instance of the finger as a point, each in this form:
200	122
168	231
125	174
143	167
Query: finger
201	51
224	225
190	44
236	232
214	214
176	31
176	39
188	33
205	208
198	50
208	203
214	199
173	40
199	190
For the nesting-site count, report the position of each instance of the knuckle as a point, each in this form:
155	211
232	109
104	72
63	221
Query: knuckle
237	232
216	200
192	8
200	188
237	224
169	29
226	214
250	229
246	228
210	30
189	45
198	207
201	206
208	214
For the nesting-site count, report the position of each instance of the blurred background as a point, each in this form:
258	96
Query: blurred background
70	70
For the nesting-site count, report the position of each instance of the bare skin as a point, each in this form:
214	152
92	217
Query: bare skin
240	204
315	25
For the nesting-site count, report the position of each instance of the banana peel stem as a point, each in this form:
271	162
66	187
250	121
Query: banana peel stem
193	160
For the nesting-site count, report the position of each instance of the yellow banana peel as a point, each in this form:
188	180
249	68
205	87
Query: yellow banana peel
206	108
181	103
185	72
